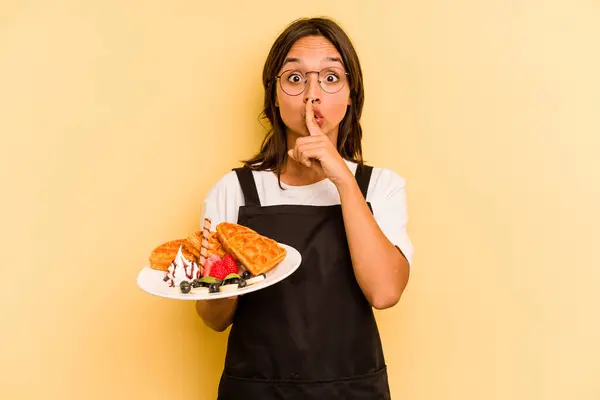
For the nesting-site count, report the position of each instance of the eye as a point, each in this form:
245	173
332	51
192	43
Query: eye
295	78
331	78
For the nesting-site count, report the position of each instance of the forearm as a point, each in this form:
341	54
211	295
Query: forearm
217	314
380	268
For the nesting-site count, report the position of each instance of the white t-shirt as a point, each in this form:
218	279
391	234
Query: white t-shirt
386	194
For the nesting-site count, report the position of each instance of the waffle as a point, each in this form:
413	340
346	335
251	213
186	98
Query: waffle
163	255
214	246
257	253
195	243
191	246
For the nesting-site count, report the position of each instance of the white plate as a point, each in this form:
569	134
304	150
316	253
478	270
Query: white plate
151	280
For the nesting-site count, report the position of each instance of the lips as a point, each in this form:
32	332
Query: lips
319	119
318	116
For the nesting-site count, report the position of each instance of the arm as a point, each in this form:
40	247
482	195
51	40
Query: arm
217	314
221	204
381	269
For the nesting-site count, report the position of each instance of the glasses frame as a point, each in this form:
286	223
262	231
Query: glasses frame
305	75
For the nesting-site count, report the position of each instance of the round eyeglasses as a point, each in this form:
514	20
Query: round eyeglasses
294	82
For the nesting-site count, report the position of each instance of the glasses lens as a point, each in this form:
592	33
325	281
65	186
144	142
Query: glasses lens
292	82
332	79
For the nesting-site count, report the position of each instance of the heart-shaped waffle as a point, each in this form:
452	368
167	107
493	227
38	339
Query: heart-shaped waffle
214	246
162	256
257	253
194	244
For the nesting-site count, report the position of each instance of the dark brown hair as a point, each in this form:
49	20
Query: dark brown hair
273	152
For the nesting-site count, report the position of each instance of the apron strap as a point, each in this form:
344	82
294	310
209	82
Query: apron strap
363	177
248	185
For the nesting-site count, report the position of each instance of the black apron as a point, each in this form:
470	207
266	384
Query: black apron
312	335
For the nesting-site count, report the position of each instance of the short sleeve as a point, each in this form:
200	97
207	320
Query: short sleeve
387	195
223	200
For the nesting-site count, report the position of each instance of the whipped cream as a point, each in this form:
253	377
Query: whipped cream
182	270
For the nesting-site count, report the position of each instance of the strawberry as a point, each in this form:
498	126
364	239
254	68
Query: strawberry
230	264
223	267
218	270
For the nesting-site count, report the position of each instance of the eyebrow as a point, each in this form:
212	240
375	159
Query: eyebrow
334	59
299	61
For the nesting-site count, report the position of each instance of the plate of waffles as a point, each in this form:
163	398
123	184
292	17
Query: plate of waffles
232	260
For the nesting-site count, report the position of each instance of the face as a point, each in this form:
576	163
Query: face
313	53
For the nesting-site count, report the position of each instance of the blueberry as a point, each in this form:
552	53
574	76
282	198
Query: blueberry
213	288
246	275
242	283
185	287
232	281
196	283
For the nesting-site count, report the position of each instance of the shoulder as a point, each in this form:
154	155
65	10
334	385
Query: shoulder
387	196
223	199
228	182
226	187
384	183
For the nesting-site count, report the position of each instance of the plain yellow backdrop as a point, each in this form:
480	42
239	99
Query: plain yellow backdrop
116	117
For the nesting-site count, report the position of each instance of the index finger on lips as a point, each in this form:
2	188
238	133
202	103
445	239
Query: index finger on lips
311	124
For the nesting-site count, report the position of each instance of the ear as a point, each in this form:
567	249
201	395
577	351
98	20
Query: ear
349	100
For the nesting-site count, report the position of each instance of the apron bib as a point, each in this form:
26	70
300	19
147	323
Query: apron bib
312	335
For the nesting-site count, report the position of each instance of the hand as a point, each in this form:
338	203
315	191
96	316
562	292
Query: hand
319	153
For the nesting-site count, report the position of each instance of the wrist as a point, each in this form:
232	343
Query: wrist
347	186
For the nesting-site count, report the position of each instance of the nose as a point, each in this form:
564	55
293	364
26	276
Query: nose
313	89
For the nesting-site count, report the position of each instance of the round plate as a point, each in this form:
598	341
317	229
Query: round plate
151	280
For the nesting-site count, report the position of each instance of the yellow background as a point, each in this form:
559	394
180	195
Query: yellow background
116	117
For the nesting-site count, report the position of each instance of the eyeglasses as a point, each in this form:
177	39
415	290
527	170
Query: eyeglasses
294	82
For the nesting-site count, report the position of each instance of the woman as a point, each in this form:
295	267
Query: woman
313	335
